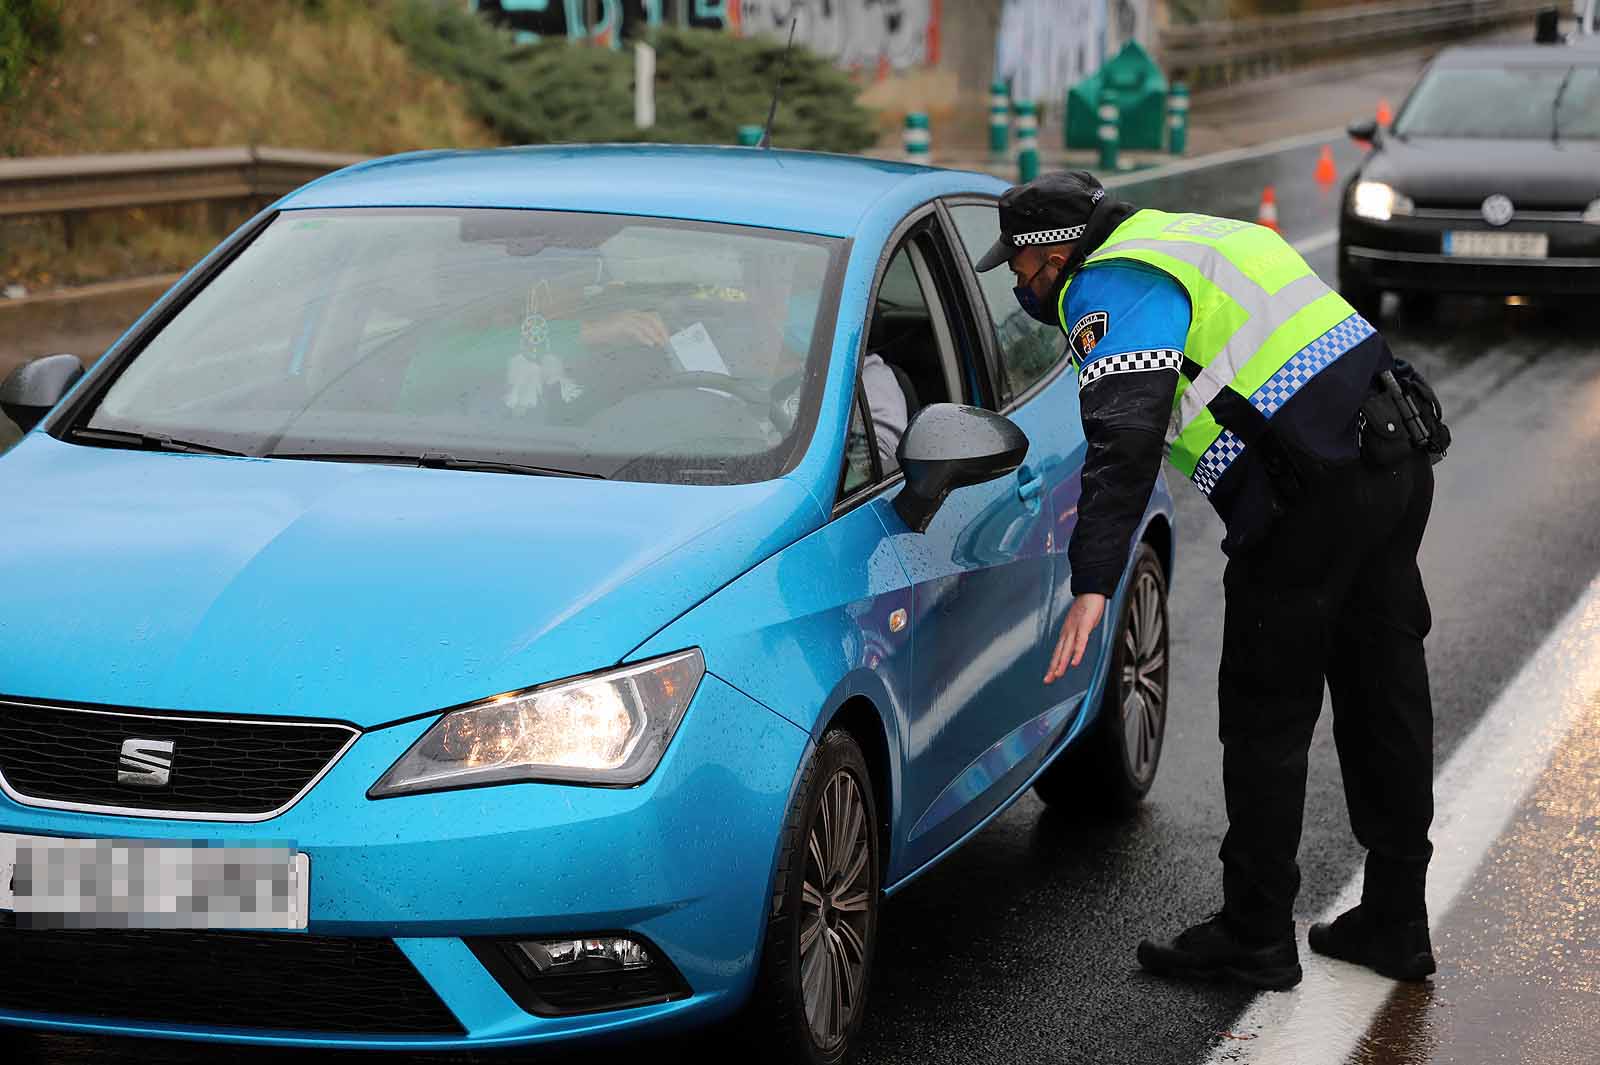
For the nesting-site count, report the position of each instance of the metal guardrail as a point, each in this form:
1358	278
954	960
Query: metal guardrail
1212	54
75	183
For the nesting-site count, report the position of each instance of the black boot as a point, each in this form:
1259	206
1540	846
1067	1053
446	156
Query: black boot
1212	950
1399	950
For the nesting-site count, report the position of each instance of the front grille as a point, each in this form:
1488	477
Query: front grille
283	982
1475	214
230	767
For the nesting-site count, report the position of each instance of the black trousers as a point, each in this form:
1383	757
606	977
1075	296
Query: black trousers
1332	594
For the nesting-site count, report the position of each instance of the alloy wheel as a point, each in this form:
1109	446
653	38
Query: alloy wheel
1144	677
835	903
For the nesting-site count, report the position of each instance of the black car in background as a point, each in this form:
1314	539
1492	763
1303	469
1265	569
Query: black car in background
1488	181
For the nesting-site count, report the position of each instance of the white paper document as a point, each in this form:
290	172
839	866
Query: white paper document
695	351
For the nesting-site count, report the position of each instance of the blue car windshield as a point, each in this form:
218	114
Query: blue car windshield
605	345
1545	102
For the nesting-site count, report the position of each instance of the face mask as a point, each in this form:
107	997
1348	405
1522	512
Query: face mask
1029	300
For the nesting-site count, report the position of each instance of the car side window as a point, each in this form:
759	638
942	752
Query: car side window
1029	350
910	360
858	468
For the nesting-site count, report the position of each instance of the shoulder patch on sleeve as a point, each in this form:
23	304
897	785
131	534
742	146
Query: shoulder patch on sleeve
1086	332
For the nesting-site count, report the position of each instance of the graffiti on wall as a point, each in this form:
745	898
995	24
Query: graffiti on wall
1044	47
898	34
857	33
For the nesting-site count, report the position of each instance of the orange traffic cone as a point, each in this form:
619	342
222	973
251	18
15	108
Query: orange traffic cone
1327	173
1385	116
1268	214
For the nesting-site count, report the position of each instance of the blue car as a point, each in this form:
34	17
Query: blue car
482	604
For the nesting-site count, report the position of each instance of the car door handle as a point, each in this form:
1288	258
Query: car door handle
1029	485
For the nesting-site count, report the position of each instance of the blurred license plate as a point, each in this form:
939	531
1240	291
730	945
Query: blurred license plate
1497	245
137	883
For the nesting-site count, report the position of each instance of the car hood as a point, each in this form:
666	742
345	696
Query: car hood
357	592
1538	175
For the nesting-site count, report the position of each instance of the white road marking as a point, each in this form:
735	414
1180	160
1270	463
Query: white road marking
1476	794
1229	155
1316	242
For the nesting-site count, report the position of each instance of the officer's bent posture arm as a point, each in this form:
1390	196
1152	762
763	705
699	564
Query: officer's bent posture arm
1126	325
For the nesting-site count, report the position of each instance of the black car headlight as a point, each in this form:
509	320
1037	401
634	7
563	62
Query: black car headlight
607	728
1379	202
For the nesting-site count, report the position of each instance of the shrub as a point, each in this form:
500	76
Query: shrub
28	29
708	83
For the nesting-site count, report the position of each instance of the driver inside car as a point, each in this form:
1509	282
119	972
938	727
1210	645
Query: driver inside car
886	399
517	353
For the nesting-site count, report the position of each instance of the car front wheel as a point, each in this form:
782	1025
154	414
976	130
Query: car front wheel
811	988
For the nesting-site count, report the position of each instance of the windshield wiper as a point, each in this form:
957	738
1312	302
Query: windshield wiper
434	460
1555	108
439	460
149	441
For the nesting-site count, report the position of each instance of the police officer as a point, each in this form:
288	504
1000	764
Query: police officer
1214	341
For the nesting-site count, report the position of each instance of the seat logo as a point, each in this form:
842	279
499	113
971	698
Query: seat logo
145	763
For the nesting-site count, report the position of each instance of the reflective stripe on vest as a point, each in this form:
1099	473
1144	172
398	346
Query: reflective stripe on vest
1256	307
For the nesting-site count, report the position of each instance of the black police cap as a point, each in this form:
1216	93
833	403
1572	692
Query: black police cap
1051	209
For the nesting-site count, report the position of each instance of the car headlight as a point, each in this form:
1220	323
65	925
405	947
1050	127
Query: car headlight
607	728
1591	214
1379	202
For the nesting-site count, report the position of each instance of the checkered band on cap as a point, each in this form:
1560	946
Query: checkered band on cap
1049	236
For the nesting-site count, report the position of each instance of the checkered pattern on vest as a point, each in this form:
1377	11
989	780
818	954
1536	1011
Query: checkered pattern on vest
1311	360
1271	396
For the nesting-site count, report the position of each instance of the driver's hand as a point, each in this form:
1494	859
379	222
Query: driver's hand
626	327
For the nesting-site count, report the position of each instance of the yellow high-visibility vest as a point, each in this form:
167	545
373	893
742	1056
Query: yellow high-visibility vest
1261	324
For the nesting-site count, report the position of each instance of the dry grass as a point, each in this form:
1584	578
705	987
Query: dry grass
150	74
106	246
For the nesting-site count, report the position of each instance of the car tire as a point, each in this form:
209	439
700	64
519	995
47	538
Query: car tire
813	946
1111	769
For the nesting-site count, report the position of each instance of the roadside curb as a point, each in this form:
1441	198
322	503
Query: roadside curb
156	283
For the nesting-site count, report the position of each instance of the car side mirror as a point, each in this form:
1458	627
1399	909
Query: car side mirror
33	388
1364	130
949	446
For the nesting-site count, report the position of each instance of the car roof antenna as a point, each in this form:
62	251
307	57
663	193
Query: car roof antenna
783	68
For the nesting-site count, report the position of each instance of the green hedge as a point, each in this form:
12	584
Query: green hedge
708	83
28	29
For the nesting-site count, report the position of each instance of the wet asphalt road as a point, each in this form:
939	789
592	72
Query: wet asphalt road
1020	947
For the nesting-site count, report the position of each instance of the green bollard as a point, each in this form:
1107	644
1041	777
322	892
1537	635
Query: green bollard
1110	129
1027	142
1178	117
750	136
999	119
917	138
